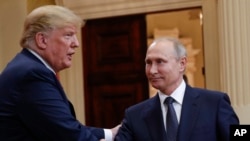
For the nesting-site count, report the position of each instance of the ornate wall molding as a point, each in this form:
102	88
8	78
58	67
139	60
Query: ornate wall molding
90	9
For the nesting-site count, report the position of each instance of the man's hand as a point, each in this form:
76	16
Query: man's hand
115	130
102	140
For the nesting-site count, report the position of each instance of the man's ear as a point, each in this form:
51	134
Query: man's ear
41	40
183	63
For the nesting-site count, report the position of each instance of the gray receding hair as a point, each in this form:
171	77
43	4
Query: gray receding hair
45	19
180	50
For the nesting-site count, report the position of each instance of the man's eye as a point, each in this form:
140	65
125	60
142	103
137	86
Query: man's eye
148	62
68	35
159	61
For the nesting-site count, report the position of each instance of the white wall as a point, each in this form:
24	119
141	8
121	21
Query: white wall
12	14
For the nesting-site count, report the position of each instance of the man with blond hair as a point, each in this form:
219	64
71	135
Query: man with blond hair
33	104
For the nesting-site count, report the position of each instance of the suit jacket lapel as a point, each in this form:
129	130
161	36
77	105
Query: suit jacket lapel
189	114
60	88
55	79
154	120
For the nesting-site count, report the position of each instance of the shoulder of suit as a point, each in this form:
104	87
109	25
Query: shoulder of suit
209	92
144	104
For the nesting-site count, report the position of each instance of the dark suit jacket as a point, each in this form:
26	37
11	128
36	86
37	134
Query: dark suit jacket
33	105
205	116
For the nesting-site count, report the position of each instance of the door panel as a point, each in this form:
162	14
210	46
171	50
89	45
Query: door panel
114	50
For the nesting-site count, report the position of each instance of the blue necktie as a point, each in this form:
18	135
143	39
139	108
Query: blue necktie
172	123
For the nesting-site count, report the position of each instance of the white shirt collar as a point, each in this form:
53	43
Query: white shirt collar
41	59
177	94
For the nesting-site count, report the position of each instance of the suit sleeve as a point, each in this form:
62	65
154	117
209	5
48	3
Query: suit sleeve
226	117
98	132
45	112
125	132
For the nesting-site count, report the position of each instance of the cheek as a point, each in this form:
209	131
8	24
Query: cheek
168	73
63	47
146	70
164	69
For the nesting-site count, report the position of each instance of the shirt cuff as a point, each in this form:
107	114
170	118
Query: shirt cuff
108	135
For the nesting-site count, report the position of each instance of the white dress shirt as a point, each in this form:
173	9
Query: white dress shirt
41	59
178	95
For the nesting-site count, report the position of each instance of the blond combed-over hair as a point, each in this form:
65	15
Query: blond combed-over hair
45	19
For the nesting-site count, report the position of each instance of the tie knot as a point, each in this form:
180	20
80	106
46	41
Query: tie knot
169	100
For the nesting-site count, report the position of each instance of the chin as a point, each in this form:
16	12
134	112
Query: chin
65	67
155	86
68	64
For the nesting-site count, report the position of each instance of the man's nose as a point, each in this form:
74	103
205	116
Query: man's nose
153	68
75	42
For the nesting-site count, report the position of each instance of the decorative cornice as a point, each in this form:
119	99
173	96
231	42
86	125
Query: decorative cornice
98	9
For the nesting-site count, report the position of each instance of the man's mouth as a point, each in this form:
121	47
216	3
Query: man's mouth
155	79
70	55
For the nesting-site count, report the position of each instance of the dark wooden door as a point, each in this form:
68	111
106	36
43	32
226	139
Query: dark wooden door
114	78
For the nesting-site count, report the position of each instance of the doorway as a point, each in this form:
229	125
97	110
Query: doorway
114	51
